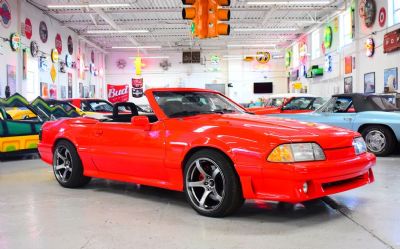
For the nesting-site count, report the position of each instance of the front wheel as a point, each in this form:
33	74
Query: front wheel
67	166
379	139
211	185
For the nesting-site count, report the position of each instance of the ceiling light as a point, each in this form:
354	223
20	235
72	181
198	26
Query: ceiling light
95	5
117	31
263	29
288	2
138	47
149	57
251	45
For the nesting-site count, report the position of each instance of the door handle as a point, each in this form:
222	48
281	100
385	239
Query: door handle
347	119
98	132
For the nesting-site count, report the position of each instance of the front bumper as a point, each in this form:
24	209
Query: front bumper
285	182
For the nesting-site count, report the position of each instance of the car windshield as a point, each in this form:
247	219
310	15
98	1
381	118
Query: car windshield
274	102
300	103
97	106
337	104
180	103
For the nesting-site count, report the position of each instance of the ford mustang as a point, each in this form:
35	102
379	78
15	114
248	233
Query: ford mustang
204	144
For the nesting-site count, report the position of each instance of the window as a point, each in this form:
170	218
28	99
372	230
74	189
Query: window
394	12
316	46
346	28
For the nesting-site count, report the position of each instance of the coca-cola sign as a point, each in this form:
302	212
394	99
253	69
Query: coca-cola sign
391	41
117	93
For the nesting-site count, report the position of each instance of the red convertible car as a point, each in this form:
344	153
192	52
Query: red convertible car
204	144
289	105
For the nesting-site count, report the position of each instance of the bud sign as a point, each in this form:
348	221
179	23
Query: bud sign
117	93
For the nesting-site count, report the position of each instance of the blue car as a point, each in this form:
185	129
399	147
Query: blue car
376	117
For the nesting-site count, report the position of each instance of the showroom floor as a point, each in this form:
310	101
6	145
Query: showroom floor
35	212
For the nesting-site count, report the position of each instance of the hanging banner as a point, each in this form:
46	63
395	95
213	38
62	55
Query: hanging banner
117	93
391	41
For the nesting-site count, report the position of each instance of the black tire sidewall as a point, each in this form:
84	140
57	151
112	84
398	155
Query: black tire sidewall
390	141
232	199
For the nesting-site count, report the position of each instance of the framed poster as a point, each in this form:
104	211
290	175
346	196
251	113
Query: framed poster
92	91
44	90
63	92
53	91
69	85
348	84
348	64
11	79
391	82
81	90
369	82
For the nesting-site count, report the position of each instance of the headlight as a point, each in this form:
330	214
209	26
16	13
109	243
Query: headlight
297	152
359	145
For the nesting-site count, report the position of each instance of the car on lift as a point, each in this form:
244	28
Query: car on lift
202	143
375	116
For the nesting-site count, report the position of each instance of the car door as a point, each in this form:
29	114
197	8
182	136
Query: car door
344	120
122	148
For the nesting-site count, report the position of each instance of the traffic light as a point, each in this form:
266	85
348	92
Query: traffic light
217	14
198	13
206	16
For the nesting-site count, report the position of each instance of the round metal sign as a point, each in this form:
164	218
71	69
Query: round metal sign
34	49
58	43
28	28
367	10
15	42
5	13
43	32
54	55
382	17
70	45
68	60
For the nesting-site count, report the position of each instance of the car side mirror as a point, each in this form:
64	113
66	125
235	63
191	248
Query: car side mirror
141	122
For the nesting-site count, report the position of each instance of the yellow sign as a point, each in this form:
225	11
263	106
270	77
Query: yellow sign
297	85
54	55
53	73
263	57
138	65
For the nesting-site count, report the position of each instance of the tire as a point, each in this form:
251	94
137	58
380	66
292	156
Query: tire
380	140
209	175
67	166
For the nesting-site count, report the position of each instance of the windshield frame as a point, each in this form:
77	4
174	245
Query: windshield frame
151	95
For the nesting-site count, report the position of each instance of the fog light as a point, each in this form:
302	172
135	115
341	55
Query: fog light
305	187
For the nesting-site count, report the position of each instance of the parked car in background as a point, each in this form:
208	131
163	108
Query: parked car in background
200	142
293	105
376	117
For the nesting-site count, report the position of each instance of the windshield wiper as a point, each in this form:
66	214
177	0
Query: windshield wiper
223	111
184	114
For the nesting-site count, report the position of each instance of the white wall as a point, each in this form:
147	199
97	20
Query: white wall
21	10
241	74
332	82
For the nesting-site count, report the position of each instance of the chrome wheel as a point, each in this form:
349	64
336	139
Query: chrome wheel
62	164
205	184
376	141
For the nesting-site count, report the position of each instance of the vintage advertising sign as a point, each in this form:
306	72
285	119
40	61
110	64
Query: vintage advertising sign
391	41
117	93
28	28
137	88
43	32
58	43
5	13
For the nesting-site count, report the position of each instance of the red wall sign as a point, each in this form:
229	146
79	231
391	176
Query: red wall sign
382	17
28	28
58	43
5	13
391	41
117	93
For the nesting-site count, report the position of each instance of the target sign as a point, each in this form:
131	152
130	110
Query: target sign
382	17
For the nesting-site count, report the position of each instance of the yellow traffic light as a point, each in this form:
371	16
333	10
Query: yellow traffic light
217	14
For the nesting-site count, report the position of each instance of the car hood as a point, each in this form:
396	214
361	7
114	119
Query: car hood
281	129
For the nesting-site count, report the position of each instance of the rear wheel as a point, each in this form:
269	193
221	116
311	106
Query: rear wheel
211	185
67	166
380	140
